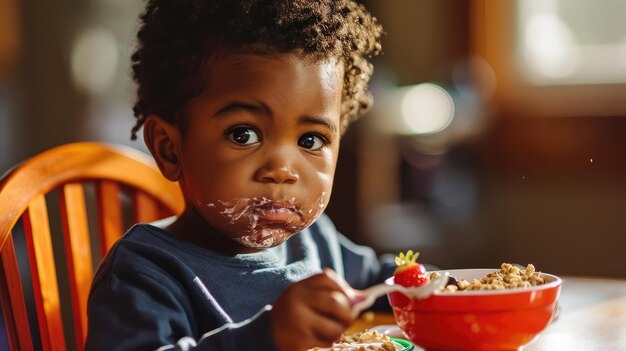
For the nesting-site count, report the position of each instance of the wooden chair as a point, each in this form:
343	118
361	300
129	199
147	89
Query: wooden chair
112	171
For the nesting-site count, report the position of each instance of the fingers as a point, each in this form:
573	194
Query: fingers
334	305
325	331
302	327
330	280
339	282
312	312
322	330
329	297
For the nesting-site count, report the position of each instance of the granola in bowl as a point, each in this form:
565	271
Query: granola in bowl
508	277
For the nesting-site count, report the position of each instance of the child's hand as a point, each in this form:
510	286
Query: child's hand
312	313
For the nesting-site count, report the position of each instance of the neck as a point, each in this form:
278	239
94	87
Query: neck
192	227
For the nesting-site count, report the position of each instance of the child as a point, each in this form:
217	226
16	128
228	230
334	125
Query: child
244	103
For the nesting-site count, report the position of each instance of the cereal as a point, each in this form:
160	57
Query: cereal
362	341
508	277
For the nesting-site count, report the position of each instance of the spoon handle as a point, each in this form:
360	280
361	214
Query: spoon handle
364	299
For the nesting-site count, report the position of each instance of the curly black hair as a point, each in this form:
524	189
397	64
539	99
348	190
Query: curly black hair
177	37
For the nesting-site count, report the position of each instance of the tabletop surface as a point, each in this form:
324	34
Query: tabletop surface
592	317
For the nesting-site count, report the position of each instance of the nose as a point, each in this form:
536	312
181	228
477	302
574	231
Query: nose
277	169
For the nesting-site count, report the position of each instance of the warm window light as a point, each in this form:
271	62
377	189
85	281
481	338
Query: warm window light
94	60
571	42
426	109
550	47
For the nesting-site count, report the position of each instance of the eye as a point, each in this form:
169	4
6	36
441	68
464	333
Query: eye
312	142
243	136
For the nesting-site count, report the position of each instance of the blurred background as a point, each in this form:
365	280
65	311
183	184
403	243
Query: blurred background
498	134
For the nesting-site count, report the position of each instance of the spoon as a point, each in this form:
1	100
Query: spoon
363	299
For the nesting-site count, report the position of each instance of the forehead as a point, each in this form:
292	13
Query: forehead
281	74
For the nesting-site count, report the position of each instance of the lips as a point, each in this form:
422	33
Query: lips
274	213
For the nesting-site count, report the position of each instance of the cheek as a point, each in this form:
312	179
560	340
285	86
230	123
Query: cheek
215	182
324	181
209	177
327	169
322	173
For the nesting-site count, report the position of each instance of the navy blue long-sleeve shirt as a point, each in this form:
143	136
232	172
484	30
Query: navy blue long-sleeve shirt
156	292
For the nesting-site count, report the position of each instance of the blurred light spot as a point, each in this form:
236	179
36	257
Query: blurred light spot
550	47
94	60
475	72
426	108
591	160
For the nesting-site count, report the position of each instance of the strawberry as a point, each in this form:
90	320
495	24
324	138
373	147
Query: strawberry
409	272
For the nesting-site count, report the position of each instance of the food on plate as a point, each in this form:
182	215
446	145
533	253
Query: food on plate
508	277
409	272
363	341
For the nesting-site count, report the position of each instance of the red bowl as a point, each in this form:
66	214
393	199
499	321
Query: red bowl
486	320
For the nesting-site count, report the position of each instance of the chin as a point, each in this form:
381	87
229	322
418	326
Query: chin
265	238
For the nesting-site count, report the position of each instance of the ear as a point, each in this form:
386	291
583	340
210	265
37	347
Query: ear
163	141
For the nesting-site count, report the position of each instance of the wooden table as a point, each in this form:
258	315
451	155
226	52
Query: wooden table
592	317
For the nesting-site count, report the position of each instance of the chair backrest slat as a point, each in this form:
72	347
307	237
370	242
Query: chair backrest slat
146	208
12	298
109	214
44	276
78	252
118	173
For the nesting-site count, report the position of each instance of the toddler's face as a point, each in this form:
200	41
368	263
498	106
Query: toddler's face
261	145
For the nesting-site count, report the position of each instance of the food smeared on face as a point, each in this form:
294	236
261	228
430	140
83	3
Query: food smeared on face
269	222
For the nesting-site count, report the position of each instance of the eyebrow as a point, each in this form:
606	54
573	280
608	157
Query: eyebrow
318	120
264	109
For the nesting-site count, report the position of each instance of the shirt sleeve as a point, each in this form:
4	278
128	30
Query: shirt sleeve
362	267
138	311
359	265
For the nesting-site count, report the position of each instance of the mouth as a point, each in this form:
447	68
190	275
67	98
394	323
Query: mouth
265	213
268	221
273	213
